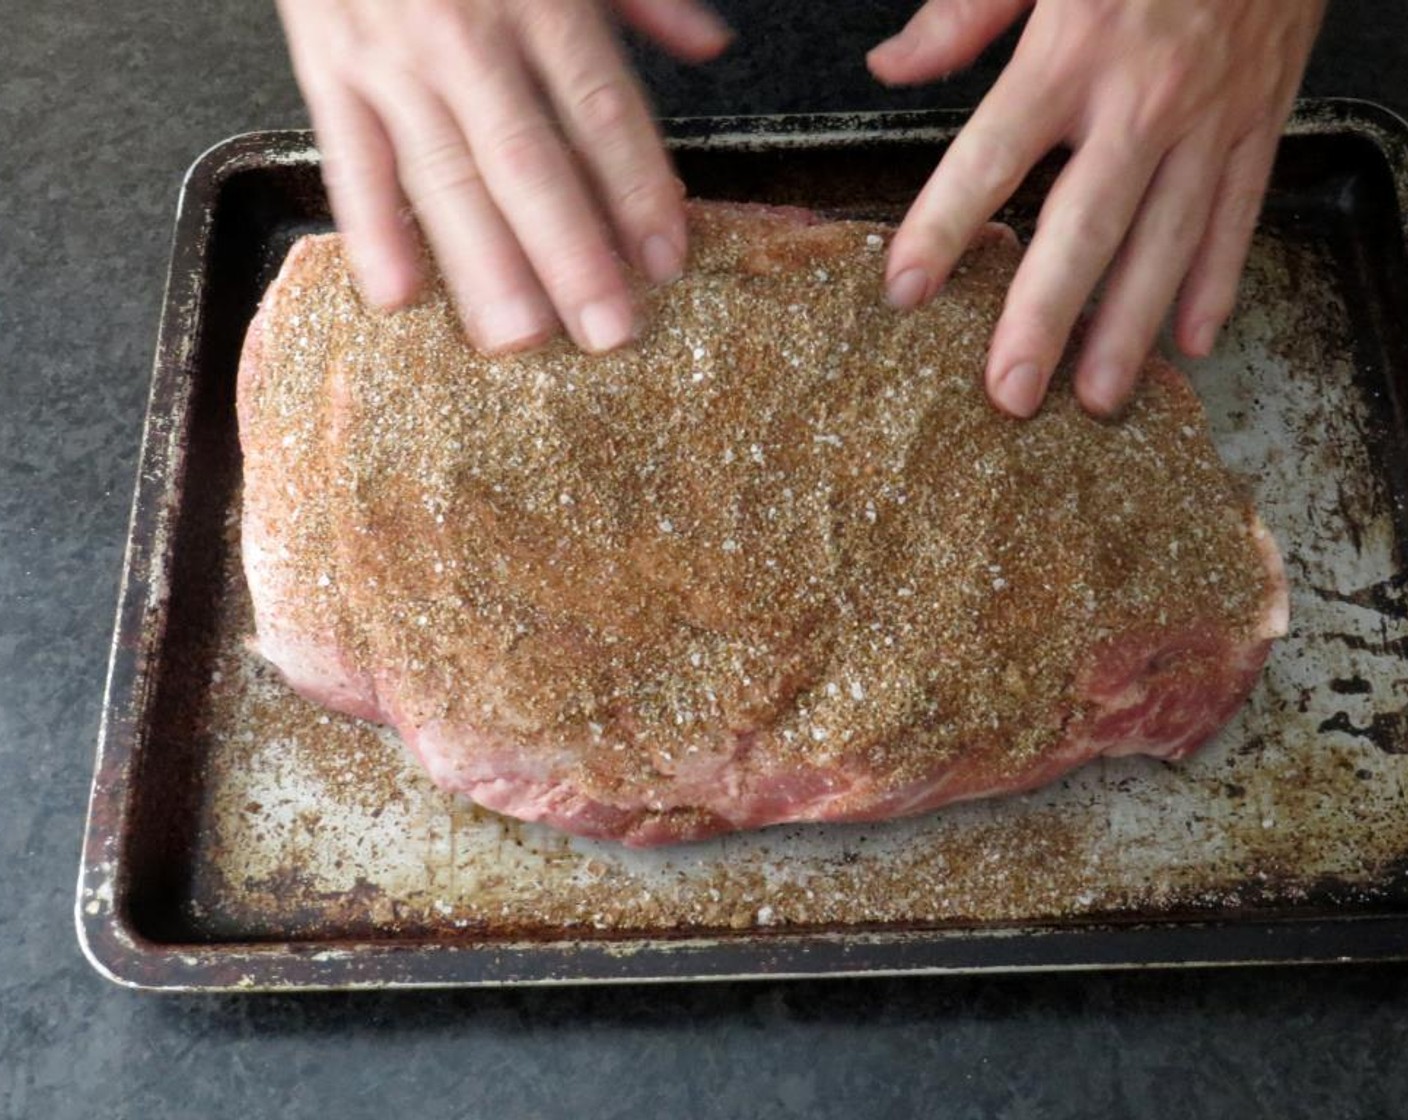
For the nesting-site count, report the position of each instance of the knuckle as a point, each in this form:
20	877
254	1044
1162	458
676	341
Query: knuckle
1162	108
991	167
448	41
435	19
1104	12
393	64
932	240
1241	209
1121	344
1185	228
1177	223
550	21
444	168
406	43
1063	64
604	108
646	194
1090	226
581	274
525	153
1191	56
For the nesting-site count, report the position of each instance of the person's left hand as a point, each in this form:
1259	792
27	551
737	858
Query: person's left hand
1173	109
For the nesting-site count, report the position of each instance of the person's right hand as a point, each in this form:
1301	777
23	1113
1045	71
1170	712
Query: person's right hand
1172	109
465	109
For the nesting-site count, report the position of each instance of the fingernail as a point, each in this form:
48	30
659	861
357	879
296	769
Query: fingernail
907	290
606	324
378	284
1104	388
379	290
898	48
1204	339
709	22
510	325
664	263
1019	391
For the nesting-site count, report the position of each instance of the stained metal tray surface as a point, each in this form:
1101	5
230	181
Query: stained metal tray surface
239	837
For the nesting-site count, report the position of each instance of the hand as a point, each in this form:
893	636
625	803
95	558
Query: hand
1173	109
465	109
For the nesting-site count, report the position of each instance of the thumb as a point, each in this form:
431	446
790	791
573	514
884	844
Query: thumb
943	36
688	29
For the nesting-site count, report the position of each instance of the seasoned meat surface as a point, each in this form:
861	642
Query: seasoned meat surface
778	561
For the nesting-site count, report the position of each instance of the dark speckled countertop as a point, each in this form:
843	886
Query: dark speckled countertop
102	107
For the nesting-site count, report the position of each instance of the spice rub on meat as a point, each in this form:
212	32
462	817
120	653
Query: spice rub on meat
779	561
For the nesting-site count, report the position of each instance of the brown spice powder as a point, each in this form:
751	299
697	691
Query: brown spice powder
785	508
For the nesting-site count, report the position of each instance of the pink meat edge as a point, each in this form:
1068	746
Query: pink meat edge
311	664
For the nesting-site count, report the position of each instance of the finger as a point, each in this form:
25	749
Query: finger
606	119
688	30
1210	292
1146	275
1083	222
1016	124
943	36
536	186
499	299
359	171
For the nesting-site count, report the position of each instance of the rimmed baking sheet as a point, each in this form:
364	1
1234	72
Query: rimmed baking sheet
239	837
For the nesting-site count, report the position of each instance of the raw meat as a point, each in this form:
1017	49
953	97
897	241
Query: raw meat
780	561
